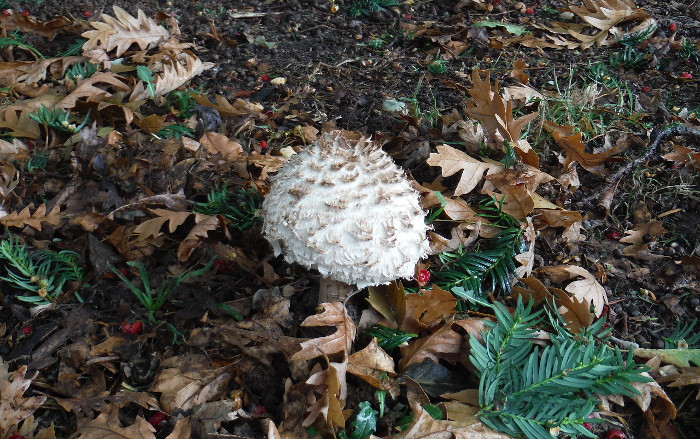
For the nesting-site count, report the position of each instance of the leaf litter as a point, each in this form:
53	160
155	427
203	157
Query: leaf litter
247	364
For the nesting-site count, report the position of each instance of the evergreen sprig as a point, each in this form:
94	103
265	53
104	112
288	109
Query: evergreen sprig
465	273
388	338
240	207
44	273
528	391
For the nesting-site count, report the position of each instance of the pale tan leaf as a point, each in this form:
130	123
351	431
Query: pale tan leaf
19	125
333	386
175	73
88	89
190	380
372	365
453	161
151	228
684	156
587	289
635	237
204	224
16	150
334	314
9	179
182	429
427	309
121	32
14	406
33	220
108	426
218	143
425	427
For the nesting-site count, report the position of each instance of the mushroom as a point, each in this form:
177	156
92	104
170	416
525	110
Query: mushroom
344	208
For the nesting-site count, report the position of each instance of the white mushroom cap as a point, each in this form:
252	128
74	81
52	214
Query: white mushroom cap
343	207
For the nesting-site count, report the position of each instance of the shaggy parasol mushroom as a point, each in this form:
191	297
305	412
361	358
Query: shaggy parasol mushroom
343	207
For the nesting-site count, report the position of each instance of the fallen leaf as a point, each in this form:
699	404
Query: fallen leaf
14	406
573	145
372	364
334	314
453	161
636	237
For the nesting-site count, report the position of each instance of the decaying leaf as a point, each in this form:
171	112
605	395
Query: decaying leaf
203	225
587	289
334	314
175	73
121	32
427	309
684	156
496	114
573	145
14	406
444	343
33	220
151	228
218	143
190	380
373	365
640	236
453	161
108	425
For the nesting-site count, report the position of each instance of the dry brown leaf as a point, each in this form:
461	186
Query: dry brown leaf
496	114
182	429
13	20
240	107
425	427
175	73
636	238
372	364
34	220
16	150
573	145
14	406
331	383
427	309
444	344
518	72
19	125
587	289
9	179
684	156
121	32
203	225
108	426
88	89
151	228
220	144
334	314
453	161
190	380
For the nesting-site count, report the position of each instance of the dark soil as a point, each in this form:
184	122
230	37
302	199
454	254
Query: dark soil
339	70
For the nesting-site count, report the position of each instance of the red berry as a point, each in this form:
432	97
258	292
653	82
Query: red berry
16	436
265	77
613	235
423	276
263	144
646	89
123	271
615	434
6	12
686	75
259	410
26	330
87	14
131	328
219	265
529	11
588	426
25	13
157	418
672	27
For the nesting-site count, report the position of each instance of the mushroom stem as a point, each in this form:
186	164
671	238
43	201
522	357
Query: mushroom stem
333	290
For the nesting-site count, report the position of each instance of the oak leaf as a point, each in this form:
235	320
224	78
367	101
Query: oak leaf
496	114
333	387
175	73
453	161
33	220
636	237
14	406
334	314
88	89
444	343
573	145
19	125
203	225
684	156
108	426
151	228
587	289
425	426
9	179
372	364
217	143
427	309
190	380
121	32
16	150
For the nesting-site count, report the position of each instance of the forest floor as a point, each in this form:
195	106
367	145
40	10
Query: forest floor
217	357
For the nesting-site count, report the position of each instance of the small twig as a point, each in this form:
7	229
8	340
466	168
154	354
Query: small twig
656	138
